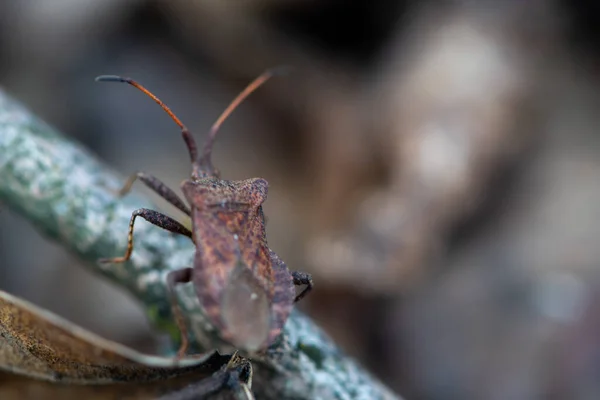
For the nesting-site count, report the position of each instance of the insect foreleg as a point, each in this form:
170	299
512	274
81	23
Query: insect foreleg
155	218
158	187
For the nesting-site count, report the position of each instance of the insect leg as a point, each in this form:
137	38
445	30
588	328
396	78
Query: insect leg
302	278
183	275
158	187
155	218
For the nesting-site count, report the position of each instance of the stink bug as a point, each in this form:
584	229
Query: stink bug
246	290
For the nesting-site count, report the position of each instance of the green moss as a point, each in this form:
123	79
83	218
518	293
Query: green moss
312	352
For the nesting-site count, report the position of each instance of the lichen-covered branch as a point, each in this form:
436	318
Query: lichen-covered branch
70	196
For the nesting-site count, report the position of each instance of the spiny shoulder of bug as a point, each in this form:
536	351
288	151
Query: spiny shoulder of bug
206	189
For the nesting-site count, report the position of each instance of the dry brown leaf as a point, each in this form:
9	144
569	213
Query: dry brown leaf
232	381
39	344
13	387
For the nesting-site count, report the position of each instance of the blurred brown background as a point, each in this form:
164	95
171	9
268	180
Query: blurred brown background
435	165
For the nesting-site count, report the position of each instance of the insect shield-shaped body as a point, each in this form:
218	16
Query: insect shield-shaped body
247	292
243	291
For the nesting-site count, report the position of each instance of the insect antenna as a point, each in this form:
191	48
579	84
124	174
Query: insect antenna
187	136
202	166
205	161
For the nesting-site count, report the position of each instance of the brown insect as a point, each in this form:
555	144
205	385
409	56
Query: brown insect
245	289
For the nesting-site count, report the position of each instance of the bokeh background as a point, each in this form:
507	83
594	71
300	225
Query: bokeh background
434	164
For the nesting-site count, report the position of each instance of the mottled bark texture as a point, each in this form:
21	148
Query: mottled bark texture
71	197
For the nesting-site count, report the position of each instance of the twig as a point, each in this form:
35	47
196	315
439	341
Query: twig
70	196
